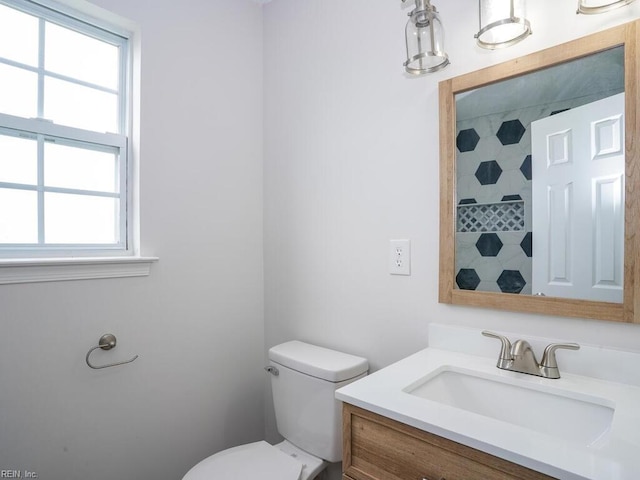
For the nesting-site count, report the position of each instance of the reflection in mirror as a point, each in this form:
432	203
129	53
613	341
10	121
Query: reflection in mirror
540	164
524	226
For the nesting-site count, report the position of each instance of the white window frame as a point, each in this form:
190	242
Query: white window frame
29	263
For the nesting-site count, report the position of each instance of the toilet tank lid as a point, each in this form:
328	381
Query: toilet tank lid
317	361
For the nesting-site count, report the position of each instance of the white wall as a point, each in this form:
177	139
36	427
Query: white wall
197	320
351	161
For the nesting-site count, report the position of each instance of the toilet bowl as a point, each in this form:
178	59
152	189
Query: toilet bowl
304	379
258	460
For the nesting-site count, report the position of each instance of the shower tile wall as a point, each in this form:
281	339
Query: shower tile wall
494	232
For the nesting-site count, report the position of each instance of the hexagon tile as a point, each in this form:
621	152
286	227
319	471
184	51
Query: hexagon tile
488	173
511	281
510	132
527	244
467	279
489	244
525	168
467	140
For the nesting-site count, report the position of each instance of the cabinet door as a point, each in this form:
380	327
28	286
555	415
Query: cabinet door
377	448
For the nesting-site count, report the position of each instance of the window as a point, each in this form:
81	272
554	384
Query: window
64	163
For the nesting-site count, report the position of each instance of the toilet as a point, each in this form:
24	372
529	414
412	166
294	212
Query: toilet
304	379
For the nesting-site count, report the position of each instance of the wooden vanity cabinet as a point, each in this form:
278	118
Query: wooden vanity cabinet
378	448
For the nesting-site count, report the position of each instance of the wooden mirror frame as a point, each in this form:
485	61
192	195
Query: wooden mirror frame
626	35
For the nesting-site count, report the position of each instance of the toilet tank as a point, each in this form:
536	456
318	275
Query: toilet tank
307	413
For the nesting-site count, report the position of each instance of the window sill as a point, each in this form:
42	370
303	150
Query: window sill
60	269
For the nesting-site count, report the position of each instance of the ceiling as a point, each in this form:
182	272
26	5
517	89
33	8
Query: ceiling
599	74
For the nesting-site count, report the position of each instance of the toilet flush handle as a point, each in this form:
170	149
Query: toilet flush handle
272	370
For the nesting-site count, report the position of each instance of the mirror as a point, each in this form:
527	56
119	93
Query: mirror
537	181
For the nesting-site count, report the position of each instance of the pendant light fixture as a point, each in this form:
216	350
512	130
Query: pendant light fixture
502	23
424	37
600	6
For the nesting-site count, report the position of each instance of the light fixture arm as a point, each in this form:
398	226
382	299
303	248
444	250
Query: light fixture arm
422	7
420	4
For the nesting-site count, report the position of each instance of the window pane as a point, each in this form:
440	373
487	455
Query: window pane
75	167
76	106
79	56
80	219
18	92
18	36
18	160
18	216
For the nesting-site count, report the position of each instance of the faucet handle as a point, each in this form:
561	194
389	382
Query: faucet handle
549	355
505	351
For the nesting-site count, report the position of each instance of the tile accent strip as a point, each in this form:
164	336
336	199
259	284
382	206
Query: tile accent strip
492	217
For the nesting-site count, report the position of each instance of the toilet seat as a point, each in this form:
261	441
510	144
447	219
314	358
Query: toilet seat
252	460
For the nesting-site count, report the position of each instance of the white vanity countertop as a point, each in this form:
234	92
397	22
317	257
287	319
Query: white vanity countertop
616	456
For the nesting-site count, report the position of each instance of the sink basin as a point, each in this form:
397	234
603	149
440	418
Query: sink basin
574	417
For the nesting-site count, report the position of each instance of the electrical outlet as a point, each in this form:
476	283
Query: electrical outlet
400	257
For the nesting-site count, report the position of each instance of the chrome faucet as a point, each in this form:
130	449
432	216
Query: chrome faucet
519	357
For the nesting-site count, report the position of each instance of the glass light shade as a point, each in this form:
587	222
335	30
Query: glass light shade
502	23
600	6
425	40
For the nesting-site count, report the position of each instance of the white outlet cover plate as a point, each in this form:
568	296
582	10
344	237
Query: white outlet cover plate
400	257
